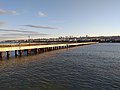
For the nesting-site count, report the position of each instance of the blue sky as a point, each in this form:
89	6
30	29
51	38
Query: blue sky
59	17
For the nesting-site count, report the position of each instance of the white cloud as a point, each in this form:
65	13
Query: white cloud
44	27
15	30
7	12
41	14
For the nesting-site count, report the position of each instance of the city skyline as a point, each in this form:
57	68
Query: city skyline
55	18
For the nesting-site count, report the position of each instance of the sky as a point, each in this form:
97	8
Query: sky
54	18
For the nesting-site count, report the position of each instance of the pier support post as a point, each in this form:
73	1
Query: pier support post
53	48
40	50
36	50
1	54
45	49
49	49
16	52
67	46
20	51
8	54
59	47
28	51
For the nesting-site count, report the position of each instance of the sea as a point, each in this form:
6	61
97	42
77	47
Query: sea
89	67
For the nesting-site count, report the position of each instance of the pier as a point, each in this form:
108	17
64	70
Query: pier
37	48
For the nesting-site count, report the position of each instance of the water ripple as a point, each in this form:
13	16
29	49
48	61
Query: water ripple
94	67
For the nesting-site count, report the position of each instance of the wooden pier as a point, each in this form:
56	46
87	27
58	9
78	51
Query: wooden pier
38	48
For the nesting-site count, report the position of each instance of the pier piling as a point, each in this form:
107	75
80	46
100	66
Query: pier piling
1	54
8	54
20	52
16	52
28	51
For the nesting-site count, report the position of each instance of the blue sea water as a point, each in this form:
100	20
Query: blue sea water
90	67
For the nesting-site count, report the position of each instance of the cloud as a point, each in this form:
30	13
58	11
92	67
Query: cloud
22	34
36	26
7	12
22	31
41	14
9	34
16	33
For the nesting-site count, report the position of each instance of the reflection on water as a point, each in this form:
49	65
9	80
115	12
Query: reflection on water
25	58
93	67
